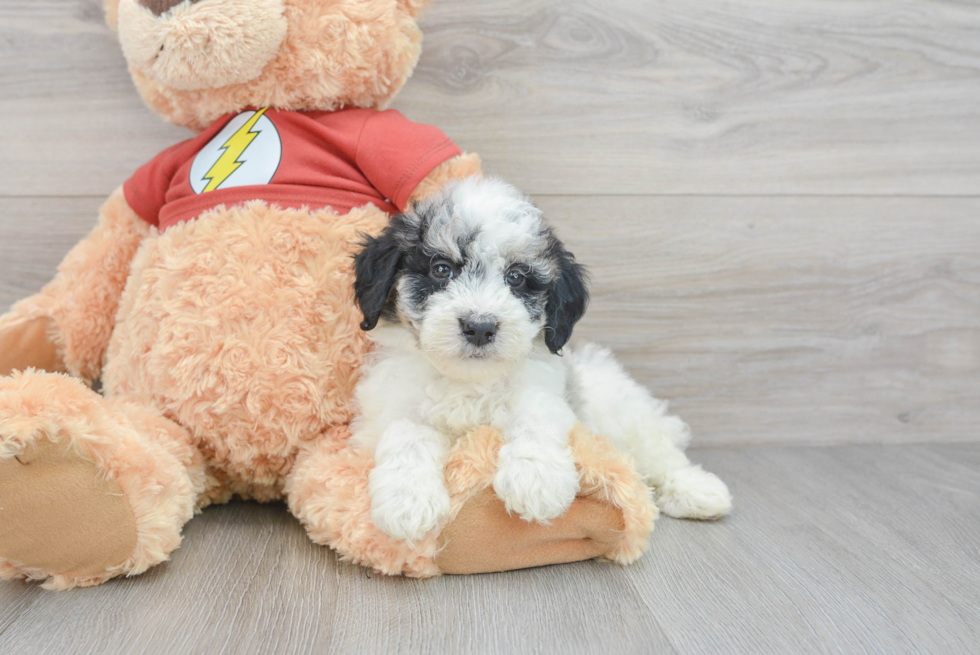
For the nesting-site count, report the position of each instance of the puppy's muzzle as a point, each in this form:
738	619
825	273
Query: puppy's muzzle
479	332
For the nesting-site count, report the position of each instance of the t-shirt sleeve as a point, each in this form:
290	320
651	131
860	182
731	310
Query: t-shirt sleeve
396	154
146	190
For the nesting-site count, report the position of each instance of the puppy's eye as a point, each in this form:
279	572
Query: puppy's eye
515	278
442	270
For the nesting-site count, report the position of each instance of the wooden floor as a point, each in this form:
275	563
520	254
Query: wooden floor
855	549
780	204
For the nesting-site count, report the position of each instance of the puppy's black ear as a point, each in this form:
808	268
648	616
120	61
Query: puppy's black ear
375	268
567	300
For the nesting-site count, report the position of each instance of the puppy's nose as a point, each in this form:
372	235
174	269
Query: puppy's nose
478	332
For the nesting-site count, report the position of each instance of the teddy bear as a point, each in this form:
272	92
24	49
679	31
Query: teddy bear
214	301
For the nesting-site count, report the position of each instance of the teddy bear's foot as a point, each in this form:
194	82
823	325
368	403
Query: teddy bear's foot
485	537
61	515
90	489
328	491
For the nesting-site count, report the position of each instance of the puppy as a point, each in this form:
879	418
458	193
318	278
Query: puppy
471	299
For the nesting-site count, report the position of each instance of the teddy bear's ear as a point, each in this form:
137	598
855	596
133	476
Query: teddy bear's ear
414	7
112	13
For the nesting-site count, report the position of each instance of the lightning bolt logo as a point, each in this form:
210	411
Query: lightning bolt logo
233	148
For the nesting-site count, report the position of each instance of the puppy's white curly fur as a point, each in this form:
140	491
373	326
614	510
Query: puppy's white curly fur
426	384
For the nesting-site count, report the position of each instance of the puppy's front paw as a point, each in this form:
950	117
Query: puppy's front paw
407	506
537	483
693	493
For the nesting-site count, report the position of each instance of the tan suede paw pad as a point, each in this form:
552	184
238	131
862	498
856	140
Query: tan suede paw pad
59	515
484	538
28	345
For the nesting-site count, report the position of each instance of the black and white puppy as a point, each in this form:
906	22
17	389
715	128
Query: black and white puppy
471	299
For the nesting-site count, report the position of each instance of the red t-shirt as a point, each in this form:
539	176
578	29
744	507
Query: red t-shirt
342	159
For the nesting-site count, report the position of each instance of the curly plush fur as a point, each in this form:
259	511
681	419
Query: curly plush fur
240	325
229	346
226	345
150	459
328	492
354	53
81	302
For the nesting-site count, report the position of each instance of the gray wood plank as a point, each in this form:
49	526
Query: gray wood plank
581	608
733	96
740	97
15	599
76	124
765	320
247	580
853	549
768	320
807	320
841	549
35	235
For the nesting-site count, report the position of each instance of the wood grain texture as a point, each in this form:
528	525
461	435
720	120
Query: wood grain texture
35	235
735	97
719	96
764	320
854	549
841	549
795	319
811	320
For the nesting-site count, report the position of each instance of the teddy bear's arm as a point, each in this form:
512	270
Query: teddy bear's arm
458	167
66	326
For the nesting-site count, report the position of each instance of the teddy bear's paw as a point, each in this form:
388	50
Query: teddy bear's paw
71	524
407	505
693	493
535	482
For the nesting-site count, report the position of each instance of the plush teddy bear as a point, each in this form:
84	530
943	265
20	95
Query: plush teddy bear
214	301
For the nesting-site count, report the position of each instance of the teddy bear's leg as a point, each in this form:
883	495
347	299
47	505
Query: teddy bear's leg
66	326
328	491
90	488
616	406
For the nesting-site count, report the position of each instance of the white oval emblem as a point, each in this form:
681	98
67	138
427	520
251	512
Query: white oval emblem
247	151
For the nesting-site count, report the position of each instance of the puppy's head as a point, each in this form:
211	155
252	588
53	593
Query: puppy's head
476	275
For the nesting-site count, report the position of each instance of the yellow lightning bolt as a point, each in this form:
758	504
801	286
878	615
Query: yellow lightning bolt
236	144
